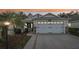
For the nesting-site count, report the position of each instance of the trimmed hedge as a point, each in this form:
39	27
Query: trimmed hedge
74	31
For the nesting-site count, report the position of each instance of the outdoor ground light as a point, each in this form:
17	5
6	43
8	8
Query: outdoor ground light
6	32
26	24
6	23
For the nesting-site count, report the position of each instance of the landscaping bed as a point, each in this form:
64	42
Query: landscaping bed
2	43
17	41
74	31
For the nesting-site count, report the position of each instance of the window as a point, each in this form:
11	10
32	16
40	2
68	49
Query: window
48	22
54	22
42	22
61	22
39	22
45	22
58	22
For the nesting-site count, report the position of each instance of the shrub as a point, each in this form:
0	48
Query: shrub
2	40
17	31
74	31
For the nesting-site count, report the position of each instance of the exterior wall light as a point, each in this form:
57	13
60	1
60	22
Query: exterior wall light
69	24
26	24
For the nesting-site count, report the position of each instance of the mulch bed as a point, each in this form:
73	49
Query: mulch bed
13	41
17	41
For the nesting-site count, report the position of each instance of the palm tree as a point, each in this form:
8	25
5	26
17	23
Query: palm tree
5	16
14	18
19	17
63	15
68	15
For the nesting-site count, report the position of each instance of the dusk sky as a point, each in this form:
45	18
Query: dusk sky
39	11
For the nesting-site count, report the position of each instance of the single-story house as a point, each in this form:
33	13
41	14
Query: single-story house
75	24
74	21
48	23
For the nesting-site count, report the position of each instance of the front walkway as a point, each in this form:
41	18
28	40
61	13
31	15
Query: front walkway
53	41
31	44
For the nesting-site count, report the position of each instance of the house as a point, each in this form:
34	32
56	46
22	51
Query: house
74	24
48	23
74	21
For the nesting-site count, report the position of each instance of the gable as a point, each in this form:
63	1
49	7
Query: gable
50	15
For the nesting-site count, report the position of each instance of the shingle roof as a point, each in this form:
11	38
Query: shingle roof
50	15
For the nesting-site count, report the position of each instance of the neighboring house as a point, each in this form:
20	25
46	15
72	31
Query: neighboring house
74	21
48	23
75	24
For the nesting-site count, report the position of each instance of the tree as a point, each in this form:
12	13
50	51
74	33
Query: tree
15	18
73	15
19	17
63	15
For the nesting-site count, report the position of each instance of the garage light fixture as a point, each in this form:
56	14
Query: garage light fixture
26	24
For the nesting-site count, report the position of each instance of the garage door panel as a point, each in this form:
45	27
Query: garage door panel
50	28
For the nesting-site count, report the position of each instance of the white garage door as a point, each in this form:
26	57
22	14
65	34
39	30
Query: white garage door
50	28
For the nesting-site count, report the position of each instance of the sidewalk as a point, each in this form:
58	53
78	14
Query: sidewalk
31	42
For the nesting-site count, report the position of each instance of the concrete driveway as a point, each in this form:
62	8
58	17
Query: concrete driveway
54	41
